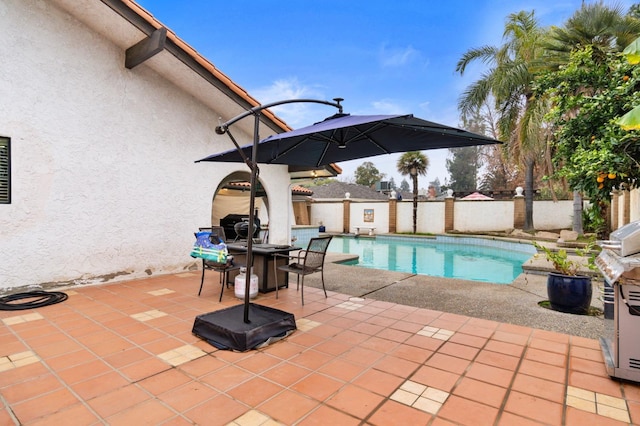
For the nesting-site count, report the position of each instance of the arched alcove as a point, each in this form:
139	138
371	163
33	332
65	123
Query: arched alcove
232	197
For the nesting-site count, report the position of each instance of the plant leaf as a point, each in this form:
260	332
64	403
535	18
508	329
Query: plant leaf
631	120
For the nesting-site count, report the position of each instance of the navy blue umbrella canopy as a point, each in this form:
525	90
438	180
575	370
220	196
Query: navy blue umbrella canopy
344	137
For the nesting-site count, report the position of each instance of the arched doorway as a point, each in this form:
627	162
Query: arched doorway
231	201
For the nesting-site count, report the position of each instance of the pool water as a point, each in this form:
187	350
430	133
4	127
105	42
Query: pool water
474	259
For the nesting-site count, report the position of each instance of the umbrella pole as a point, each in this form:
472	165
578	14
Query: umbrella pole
252	204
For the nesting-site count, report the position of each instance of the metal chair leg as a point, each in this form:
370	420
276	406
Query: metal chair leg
322	278
275	274
201	279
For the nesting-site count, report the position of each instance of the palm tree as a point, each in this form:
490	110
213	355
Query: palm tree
508	82
413	163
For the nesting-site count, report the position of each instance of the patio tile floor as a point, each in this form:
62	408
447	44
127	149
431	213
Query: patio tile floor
123	353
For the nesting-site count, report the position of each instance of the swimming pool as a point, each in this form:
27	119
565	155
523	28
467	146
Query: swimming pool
477	259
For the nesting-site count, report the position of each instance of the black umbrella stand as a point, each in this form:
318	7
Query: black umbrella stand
224	328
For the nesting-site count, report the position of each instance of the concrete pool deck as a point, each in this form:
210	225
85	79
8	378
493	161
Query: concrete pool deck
515	303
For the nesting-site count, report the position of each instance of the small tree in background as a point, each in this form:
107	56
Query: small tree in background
367	174
413	163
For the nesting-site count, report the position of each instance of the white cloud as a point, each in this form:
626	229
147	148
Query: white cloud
295	114
397	57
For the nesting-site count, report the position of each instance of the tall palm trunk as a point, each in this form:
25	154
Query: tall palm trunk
528	194
415	202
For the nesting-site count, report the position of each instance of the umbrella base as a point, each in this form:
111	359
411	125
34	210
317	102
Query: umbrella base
226	329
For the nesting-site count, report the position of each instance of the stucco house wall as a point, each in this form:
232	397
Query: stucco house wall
104	185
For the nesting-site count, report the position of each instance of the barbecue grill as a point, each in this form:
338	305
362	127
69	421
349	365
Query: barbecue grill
619	263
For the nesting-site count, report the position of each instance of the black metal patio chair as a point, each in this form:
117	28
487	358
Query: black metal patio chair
308	261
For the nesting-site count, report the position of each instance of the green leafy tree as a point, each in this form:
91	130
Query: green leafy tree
462	166
367	174
413	163
404	186
592	151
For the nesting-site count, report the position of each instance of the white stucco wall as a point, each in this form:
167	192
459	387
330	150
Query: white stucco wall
329	213
104	184
481	216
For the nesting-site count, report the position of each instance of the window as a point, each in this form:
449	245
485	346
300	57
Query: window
5	171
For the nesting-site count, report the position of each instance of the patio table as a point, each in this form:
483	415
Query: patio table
263	259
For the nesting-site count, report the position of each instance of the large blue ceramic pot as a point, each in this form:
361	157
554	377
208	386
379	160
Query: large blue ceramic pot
570	294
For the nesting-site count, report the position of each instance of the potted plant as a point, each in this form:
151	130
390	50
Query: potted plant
567	289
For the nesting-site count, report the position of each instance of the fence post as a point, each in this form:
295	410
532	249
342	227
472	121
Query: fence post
448	211
393	213
518	209
346	213
615	202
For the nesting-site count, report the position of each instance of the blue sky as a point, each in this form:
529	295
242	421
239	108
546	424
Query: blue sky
381	56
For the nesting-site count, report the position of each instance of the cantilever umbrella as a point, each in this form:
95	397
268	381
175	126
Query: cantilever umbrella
343	137
340	137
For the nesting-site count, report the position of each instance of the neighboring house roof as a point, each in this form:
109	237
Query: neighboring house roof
338	190
295	189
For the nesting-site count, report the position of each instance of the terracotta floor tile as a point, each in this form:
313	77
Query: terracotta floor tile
368	328
394	335
378	344
143	369
283	350
355	401
147	412
312	359
324	416
23	373
458	350
306	340
362	356
30	388
466	412
44	405
411	353
379	382
481	392
595	383
560	348
588	366
202	366
436	378
546	357
110	403
496	359
80	414
343	370
352	336
489	374
288	407
255	391
317	386
187	396
510	419
226	377
507	337
587	353
534	386
551	336
285	374
423	342
534	408
544	371
81	372
505	348
333	347
259	362
396	366
394	413
62	347
472	330
165	381
448	363
99	385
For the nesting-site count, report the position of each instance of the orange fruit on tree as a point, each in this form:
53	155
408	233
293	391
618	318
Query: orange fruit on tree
611	175
601	186
600	178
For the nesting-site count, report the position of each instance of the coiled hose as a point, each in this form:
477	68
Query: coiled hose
34	299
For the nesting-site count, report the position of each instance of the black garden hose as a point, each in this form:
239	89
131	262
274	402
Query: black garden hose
37	299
